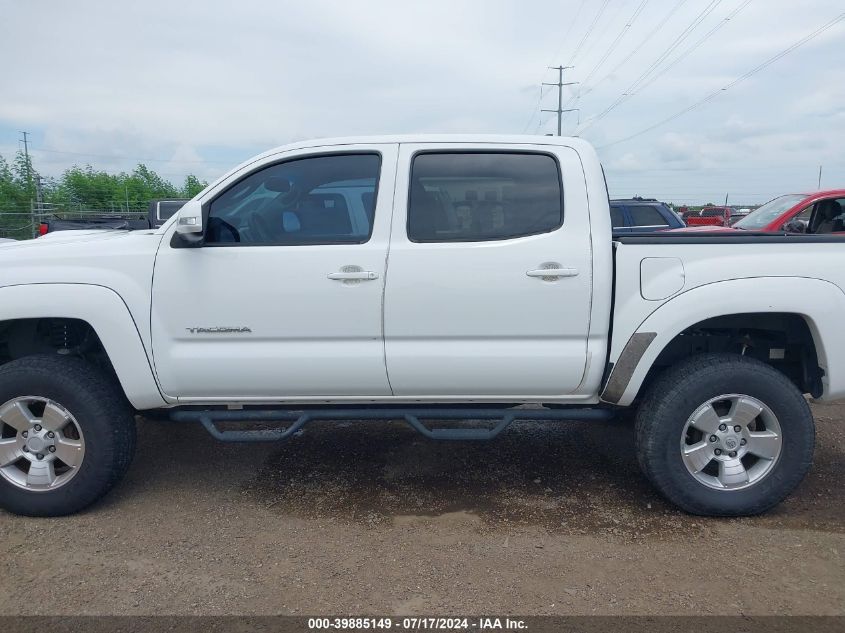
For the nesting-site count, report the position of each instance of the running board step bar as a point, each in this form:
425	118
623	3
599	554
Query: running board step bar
412	416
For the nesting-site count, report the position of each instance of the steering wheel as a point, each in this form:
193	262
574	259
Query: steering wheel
259	228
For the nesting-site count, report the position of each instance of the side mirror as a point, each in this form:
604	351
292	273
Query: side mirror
189	227
189	218
795	226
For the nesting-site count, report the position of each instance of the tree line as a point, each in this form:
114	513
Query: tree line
79	189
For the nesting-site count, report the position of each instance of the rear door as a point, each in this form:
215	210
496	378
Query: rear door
490	273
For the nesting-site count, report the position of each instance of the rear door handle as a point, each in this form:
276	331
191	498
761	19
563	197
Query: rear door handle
360	274
553	272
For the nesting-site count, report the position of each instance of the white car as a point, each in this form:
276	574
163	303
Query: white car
408	277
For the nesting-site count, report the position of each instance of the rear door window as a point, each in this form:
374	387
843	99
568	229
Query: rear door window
479	196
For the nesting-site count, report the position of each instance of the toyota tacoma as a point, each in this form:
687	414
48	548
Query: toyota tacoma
418	278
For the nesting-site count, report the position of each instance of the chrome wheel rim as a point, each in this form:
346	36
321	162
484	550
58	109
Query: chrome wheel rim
731	442
41	444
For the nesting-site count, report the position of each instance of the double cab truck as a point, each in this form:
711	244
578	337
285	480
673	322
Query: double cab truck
418	278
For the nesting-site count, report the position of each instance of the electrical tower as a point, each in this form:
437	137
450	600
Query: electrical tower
560	86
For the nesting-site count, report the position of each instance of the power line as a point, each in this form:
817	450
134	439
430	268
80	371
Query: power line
631	90
736	81
616	41
589	31
705	13
576	97
639	46
563	40
701	41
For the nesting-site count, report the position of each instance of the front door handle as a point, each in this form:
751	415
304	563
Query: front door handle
553	272
358	274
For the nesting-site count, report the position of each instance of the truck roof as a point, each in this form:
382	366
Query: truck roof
579	144
533	139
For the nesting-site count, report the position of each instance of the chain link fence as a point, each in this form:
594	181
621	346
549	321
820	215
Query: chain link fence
22	224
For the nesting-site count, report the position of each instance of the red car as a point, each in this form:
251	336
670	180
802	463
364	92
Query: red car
818	212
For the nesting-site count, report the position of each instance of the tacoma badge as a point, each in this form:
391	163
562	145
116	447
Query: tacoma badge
218	330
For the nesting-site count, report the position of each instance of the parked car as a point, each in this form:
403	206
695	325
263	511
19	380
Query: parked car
269	298
642	215
158	212
710	216
816	213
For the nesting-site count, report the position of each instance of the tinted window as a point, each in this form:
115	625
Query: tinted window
483	196
617	218
646	215
317	200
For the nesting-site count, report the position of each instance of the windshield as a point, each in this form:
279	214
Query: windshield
768	212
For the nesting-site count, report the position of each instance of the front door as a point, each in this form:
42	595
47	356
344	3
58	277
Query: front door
284	298
490	273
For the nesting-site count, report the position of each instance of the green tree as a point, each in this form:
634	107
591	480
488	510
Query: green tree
192	186
16	191
81	188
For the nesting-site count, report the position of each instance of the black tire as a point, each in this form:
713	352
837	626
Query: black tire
100	410
680	391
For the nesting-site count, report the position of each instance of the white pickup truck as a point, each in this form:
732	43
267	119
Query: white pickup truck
418	278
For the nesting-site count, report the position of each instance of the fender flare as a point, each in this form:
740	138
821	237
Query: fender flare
821	304
106	312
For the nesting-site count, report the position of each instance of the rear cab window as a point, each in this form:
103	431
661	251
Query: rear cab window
481	196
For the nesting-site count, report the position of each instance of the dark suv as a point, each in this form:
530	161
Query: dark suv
642	215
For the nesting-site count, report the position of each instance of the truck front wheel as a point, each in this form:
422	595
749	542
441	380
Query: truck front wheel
724	435
67	435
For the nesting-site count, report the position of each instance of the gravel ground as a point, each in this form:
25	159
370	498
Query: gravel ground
371	518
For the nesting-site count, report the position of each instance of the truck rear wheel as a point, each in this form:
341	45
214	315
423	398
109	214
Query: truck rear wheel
724	435
67	435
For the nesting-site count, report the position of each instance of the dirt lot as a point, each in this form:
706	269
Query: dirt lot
371	518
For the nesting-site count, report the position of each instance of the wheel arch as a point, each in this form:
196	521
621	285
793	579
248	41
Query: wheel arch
815	302
105	312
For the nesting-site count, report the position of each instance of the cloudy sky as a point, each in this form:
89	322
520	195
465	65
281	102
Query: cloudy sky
196	87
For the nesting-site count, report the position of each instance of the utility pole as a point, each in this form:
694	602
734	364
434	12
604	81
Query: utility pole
820	177
26	157
560	86
29	182
39	205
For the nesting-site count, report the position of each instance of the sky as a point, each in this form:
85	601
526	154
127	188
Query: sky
197	87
